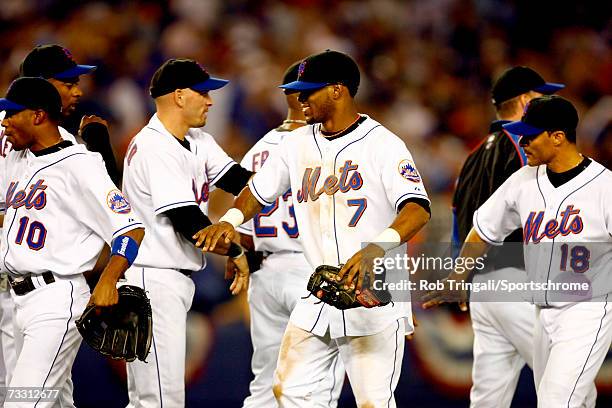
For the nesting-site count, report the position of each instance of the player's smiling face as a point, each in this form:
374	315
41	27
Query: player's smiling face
317	105
539	149
17	128
70	92
195	106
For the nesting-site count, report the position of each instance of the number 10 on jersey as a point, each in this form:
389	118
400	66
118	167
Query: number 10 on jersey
37	233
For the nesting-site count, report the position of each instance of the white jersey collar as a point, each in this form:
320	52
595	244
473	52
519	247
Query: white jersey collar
156	125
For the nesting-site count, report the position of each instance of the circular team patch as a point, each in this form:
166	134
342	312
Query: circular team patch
408	170
117	202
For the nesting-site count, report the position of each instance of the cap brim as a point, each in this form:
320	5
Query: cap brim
6	105
299	86
210	84
522	129
75	72
549	88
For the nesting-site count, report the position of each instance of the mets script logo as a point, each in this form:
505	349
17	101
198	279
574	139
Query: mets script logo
408	170
202	195
117	202
35	198
350	179
552	228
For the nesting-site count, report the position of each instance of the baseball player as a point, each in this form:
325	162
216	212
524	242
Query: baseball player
56	194
276	287
170	167
353	182
563	203
503	331
55	64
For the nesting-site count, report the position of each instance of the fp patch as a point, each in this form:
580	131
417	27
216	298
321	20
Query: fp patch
408	170
117	202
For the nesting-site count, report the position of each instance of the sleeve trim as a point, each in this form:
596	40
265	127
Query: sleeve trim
170	206
256	193
127	228
223	171
409	195
483	235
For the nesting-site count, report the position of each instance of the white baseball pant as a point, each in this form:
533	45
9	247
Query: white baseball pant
273	293
571	343
161	380
373	365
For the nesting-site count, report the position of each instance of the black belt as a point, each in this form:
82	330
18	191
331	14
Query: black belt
24	286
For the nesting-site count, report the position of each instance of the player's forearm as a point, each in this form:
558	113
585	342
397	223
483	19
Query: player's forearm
247	204
120	262
247	242
409	221
473	247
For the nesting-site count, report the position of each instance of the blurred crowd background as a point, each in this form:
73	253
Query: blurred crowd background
427	67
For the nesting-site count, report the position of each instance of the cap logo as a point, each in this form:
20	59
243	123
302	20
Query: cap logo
301	69
202	68
68	54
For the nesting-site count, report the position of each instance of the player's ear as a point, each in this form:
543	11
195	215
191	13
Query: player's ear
558	137
336	91
38	117
179	97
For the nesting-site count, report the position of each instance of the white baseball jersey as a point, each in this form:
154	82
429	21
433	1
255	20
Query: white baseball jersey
577	212
345	191
5	148
51	205
160	174
275	228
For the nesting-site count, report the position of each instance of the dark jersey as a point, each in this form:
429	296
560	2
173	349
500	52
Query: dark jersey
486	168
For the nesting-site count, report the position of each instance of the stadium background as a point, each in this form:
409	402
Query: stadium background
426	72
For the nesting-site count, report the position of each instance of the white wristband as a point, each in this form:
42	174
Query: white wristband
388	239
233	216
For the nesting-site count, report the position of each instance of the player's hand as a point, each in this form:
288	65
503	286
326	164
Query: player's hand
360	264
448	294
104	294
208	237
87	119
237	268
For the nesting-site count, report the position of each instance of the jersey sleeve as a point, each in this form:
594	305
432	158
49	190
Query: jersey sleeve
66	135
247	163
165	177
272	179
217	161
607	208
107	211
498	216
400	176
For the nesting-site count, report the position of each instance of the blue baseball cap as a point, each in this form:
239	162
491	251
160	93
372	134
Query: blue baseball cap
545	113
32	93
326	68
180	74
52	61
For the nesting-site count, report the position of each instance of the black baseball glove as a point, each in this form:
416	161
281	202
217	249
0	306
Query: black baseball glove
123	331
324	285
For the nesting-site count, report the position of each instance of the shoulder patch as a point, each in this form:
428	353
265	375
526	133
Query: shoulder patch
408	170
117	202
